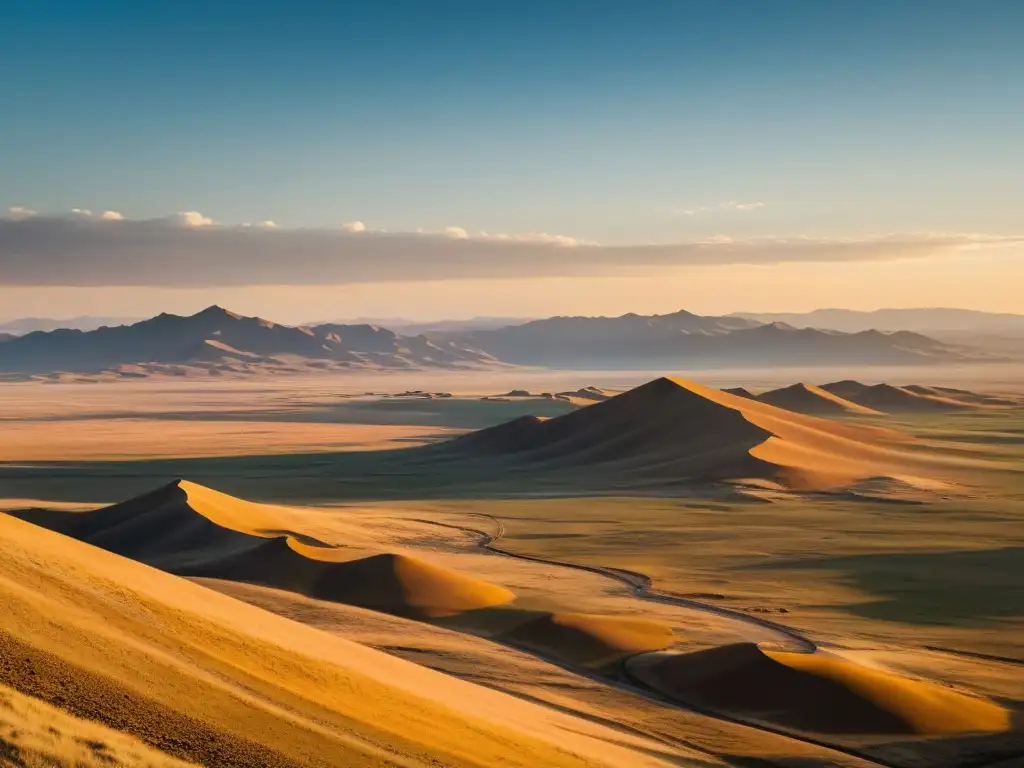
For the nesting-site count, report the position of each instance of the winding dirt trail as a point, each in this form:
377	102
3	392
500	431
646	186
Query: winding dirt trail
641	585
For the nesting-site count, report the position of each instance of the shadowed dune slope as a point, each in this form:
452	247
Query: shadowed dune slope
190	530
808	398
398	584
960	395
589	639
671	430
215	681
817	693
891	399
740	392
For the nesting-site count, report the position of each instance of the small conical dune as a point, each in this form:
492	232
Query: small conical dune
740	392
817	692
808	398
891	399
591	640
510	436
392	583
190	530
965	396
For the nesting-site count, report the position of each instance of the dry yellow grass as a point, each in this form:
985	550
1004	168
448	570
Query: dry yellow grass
34	734
210	679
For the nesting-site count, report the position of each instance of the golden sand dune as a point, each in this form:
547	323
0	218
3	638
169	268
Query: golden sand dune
891	399
740	392
818	693
808	398
190	530
675	431
591	640
394	583
206	678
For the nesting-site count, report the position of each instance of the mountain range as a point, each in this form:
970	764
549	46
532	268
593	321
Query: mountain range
924	320
217	341
683	339
23	325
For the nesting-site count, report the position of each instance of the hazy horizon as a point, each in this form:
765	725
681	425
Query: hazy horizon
191	309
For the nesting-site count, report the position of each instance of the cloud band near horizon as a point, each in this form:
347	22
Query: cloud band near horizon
188	250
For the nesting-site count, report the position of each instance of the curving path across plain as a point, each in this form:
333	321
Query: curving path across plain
641	585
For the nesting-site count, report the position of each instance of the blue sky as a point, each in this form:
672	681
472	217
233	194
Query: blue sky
618	123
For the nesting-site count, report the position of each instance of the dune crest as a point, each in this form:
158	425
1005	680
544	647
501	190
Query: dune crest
892	399
672	431
190	530
393	583
808	398
589	639
817	692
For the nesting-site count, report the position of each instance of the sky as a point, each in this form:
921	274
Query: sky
310	160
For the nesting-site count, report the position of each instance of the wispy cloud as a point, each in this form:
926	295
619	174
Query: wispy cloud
20	212
190	250
732	205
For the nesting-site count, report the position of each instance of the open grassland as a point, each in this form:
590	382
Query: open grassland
579	576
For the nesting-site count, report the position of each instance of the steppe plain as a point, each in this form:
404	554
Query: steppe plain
307	574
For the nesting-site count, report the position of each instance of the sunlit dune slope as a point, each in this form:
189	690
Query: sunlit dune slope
891	399
190	530
808	398
815	693
209	679
589	639
671	430
397	584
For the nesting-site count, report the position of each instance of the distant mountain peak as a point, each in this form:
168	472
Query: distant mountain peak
215	310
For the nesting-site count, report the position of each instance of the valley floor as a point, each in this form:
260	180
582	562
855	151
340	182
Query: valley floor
927	587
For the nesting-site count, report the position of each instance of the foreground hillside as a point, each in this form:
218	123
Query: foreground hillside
207	679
